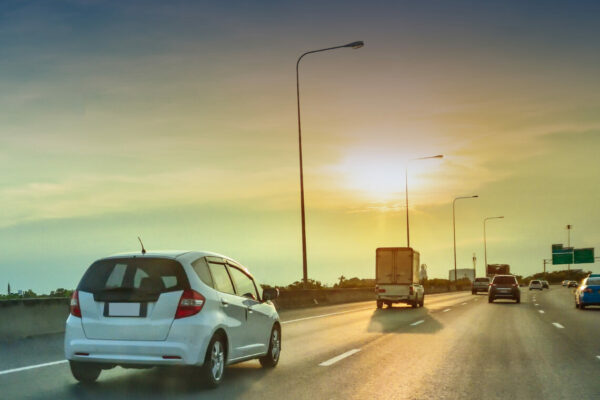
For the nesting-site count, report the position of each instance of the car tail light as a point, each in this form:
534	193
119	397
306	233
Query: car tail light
74	305
411	290
588	290
191	303
379	290
514	285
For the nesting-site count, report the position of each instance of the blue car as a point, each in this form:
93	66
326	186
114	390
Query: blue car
588	293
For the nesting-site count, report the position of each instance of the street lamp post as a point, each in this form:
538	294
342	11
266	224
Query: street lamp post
406	192
354	45
454	227
484	239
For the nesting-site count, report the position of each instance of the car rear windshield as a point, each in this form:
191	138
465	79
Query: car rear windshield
593	281
146	275
482	280
535	282
505	279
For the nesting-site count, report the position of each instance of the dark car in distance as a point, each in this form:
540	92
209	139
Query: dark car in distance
504	287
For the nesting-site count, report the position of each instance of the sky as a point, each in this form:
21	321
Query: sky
177	122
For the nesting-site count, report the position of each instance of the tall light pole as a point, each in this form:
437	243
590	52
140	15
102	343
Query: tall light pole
353	45
454	226
484	239
406	192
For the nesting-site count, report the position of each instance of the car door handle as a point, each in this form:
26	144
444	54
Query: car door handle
224	303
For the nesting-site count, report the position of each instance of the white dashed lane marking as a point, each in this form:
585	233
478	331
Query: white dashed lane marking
417	323
339	358
559	326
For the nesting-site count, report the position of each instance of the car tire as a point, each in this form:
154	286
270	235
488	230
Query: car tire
473	292
581	306
85	372
423	300
518	300
379	304
415	302
272	358
214	362
490	299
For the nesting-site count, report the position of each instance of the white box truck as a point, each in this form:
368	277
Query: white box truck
397	277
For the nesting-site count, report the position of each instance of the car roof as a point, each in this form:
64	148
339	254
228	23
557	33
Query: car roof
173	254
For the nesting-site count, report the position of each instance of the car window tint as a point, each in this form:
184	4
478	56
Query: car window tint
505	279
137	278
155	275
201	268
221	279
115	279
243	284
593	281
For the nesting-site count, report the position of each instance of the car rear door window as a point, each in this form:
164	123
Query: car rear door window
244	285
221	279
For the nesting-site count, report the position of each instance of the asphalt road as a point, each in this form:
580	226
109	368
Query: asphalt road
457	347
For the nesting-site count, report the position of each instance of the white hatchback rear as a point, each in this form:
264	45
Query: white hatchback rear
170	308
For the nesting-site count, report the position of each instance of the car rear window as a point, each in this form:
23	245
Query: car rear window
151	275
593	281
482	280
505	279
535	282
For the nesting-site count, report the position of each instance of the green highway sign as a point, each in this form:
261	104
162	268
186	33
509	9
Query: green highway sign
569	255
584	256
562	258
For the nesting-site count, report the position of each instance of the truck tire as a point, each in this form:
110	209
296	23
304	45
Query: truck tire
379	304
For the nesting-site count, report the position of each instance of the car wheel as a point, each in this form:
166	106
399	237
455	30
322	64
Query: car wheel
518	300
388	304
379	304
490	299
272	357
85	372
581	306
415	303
473	292
423	300
214	362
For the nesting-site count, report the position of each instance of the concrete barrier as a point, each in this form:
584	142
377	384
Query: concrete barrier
31	317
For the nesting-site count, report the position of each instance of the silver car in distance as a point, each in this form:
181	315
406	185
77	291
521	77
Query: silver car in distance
181	308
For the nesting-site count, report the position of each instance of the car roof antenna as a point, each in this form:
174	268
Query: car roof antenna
143	249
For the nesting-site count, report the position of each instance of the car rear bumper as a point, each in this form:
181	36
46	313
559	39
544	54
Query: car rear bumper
178	348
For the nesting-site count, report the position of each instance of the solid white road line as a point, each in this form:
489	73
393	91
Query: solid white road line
417	323
10	371
559	326
447	309
338	358
463	304
541	311
326	315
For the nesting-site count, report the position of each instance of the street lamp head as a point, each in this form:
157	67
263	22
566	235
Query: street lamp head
355	45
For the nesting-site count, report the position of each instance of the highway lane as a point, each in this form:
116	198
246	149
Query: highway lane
457	347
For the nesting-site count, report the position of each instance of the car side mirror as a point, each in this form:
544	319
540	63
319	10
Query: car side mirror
270	294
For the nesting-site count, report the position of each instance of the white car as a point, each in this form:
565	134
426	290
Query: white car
535	284
170	308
